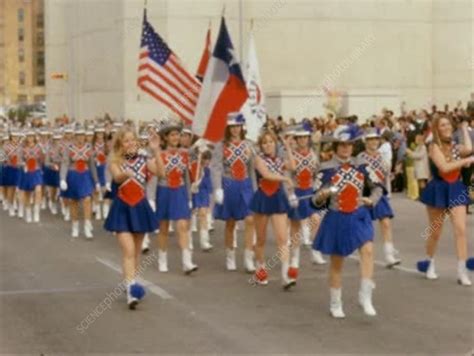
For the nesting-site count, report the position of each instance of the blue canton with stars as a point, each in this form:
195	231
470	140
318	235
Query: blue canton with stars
158	49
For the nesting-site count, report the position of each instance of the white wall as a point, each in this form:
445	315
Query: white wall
384	51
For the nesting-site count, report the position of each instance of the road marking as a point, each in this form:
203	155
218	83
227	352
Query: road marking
51	290
153	288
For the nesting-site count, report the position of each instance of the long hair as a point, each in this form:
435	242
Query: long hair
227	135
117	153
262	137
437	139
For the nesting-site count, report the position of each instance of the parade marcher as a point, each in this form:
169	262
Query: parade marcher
52	165
31	180
44	142
130	215
306	167
101	205
378	170
232	179
270	203
446	194
173	196
201	188
11	171
79	180
347	224
68	140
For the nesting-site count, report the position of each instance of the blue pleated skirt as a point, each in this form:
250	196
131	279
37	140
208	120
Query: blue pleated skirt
342	233
238	195
125	218
30	180
382	209
304	209
11	176
172	203
276	203
101	174
441	194
202	199
50	177
79	185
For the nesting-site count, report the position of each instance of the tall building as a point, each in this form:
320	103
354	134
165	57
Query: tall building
22	52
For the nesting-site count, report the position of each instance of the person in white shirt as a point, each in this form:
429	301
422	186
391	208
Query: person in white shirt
385	150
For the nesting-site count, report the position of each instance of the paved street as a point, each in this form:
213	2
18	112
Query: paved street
51	284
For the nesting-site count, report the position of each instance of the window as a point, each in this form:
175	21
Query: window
21	54
21	15
21	34
40	20
40	59
40	39
39	98
40	78
22	99
21	78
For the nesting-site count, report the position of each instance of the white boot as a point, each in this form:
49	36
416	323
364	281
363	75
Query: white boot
295	257
190	241
194	222
11	210
249	263
162	261
5	204
335	306
210	221
317	258
88	229
204	240
230	259
43	203
431	272
131	301
286	282
234	244
36	213
306	232
53	208
98	212
75	229
365	296
146	244
21	210
463	278
28	218
67	214
171	228
390	253
188	265
105	210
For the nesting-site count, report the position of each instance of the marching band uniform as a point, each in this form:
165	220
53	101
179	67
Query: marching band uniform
78	176
347	225
233	180
172	196
31	160
378	171
51	169
130	210
11	170
445	191
100	157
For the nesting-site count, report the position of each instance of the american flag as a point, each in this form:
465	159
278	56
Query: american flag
161	74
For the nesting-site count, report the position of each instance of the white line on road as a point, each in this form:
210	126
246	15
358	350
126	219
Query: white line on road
383	264
51	290
153	288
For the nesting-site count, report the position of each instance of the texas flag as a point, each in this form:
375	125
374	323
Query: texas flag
223	90
206	54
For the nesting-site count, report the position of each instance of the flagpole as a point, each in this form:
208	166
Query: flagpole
241	28
223	10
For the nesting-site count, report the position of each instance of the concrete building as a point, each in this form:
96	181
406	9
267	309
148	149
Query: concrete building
376	52
22	52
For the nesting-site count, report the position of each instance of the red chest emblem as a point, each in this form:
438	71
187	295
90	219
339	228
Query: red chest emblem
31	165
451	177
269	187
236	157
14	161
131	192
80	165
349	183
174	178
304	179
101	158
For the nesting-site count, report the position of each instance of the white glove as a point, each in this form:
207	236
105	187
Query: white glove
194	188
219	196
108	187
63	185
190	204
293	200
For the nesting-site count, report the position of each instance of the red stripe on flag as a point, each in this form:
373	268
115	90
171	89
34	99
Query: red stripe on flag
195	84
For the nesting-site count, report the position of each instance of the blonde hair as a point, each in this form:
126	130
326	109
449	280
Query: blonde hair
436	137
265	134
117	152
